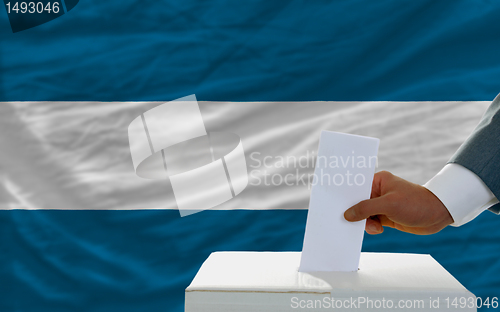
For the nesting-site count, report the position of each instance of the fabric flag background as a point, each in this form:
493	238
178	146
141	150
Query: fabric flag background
274	73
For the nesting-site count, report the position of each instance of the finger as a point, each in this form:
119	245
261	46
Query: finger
373	226
408	229
379	179
376	186
366	208
386	221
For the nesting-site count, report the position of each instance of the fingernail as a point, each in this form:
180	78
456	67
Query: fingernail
373	228
349	215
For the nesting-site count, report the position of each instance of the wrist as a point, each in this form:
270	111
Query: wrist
440	213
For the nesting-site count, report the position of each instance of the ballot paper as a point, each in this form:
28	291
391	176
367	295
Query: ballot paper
343	177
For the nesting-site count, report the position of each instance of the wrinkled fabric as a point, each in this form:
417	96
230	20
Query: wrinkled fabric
256	51
479	153
74	154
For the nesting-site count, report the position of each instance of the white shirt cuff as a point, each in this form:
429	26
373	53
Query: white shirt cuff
462	192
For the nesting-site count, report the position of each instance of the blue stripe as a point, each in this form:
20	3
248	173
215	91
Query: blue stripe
64	6
143	260
257	51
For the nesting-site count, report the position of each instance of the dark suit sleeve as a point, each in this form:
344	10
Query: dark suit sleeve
480	153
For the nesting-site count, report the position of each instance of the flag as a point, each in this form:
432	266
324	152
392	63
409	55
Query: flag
81	231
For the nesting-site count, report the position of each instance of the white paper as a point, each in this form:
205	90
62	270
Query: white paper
343	172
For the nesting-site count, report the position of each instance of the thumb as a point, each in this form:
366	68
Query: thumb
366	209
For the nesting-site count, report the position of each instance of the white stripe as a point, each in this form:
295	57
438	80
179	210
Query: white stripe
80	150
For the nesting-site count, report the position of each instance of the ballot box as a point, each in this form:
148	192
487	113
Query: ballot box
330	273
271	282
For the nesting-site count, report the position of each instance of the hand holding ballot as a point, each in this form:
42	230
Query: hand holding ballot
397	203
468	185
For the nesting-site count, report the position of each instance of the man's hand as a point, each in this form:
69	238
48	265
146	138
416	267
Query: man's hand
402	205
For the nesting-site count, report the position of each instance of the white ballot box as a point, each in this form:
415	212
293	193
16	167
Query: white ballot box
271	282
